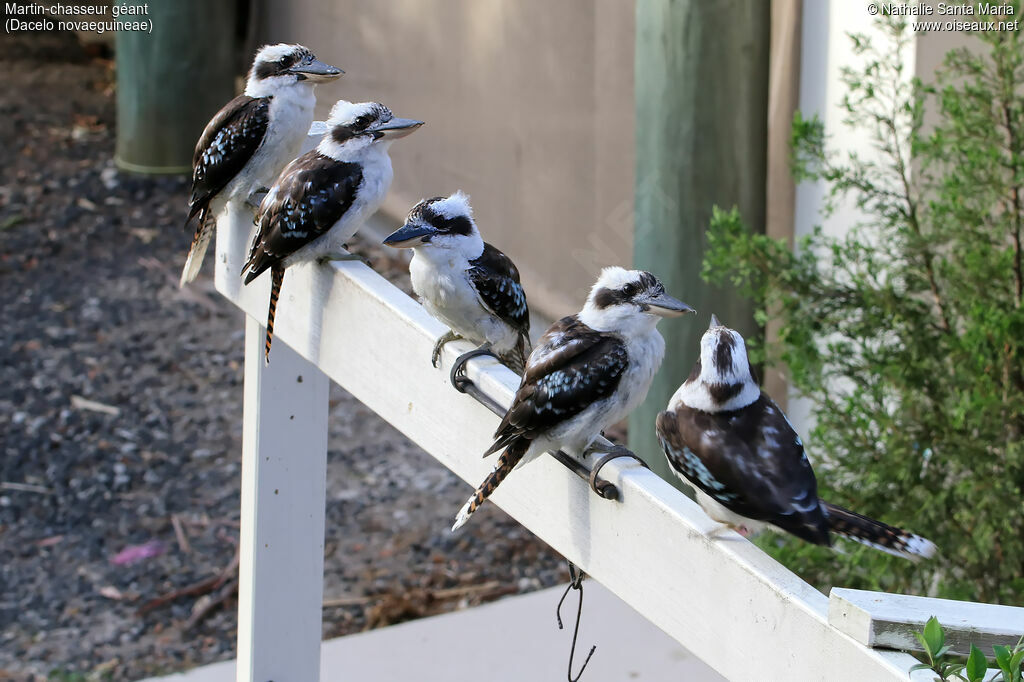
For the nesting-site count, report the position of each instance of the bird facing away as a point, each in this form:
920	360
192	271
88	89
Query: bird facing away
323	197
465	282
588	371
733	444
252	137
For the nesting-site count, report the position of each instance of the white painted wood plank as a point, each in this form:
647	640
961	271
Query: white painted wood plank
284	464
725	600
889	621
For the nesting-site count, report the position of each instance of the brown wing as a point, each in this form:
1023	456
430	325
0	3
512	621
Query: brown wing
312	193
496	279
230	139
571	368
751	461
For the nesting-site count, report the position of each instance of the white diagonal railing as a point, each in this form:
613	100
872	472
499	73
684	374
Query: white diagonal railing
740	611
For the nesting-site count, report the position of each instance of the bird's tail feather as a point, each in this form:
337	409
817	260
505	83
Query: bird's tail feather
506	462
881	536
196	252
502	442
276	277
196	208
515	359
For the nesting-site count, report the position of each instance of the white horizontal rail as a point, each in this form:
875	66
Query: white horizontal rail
889	621
723	599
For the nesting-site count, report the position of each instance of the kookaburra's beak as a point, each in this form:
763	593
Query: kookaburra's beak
714	322
394	129
409	235
664	305
318	72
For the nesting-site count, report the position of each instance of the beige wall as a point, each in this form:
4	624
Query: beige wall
529	109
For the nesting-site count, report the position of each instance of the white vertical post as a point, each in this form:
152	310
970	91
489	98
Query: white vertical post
284	463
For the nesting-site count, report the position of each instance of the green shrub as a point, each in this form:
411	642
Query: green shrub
974	668
908	332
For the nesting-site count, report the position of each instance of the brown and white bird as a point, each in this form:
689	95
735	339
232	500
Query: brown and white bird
323	197
588	371
247	143
465	282
732	443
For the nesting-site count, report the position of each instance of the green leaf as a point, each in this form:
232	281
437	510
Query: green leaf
977	665
1017	660
933	636
924	645
1003	657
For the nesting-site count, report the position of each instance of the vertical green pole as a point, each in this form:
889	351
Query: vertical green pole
171	81
701	139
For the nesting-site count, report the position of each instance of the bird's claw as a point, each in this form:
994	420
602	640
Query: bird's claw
254	200
616	450
722	528
435	356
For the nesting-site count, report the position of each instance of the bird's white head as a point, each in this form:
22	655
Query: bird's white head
354	128
628	302
721	381
440	224
279	67
723	355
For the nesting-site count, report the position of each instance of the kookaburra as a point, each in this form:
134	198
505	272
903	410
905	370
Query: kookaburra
732	443
588	371
323	197
251	138
465	282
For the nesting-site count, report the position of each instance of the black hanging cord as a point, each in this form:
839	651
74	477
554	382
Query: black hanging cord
575	583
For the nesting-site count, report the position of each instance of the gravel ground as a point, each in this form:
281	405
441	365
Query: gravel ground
106	505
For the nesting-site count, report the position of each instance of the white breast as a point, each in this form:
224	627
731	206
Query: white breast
646	351
377	176
440	279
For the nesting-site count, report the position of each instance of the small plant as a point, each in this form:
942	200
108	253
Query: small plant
938	660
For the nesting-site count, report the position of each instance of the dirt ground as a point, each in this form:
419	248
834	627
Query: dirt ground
120	421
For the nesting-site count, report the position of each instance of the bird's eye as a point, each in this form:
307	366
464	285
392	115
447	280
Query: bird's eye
362	121
629	290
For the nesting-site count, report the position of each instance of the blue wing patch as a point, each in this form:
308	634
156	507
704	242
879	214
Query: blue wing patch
691	466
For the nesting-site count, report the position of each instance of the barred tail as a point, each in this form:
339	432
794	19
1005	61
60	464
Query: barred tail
276	277
881	536
514	361
506	462
196	252
516	358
